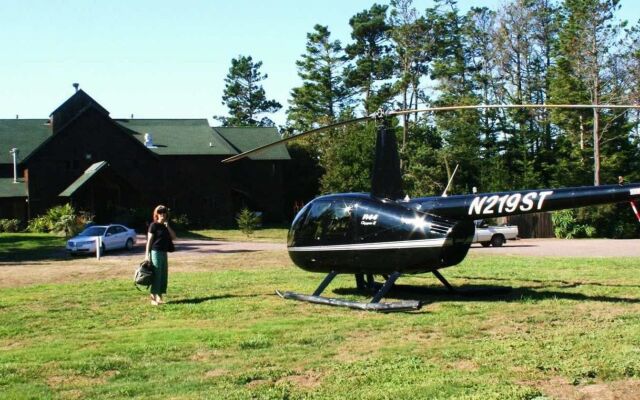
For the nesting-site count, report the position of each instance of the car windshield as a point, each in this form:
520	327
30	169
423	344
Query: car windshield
93	231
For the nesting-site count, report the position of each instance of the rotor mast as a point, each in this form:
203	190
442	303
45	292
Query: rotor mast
386	179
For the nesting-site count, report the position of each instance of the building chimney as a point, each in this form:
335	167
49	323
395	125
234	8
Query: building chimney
76	85
14	152
148	141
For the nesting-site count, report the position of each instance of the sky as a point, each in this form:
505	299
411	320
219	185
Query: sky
162	59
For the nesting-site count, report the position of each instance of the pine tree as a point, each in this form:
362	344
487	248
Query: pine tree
586	59
454	85
244	96
322	94
348	158
412	48
371	55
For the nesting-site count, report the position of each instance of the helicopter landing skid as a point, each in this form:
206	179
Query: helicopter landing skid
373	305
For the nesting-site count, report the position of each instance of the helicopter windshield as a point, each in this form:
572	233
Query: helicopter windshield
326	222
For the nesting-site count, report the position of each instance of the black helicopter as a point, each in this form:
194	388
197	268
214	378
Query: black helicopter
385	233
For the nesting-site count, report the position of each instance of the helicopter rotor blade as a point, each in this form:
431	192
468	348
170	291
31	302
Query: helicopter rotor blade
529	106
298	136
429	109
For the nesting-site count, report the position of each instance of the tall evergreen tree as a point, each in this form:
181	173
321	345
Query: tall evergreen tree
318	101
586	55
452	72
523	42
244	95
348	160
479	33
412	45
371	55
322	94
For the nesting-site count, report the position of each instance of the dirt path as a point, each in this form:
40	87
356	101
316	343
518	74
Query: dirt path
190	255
208	255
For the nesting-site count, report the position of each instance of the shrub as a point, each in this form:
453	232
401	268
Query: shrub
611	221
567	226
59	219
9	225
64	219
38	225
248	221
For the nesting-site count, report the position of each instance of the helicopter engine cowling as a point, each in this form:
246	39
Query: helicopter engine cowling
358	233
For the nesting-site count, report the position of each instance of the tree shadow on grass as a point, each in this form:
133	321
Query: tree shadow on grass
42	253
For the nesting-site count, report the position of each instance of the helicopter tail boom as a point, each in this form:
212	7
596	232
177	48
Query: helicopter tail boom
492	205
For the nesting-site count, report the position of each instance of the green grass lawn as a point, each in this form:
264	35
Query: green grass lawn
224	334
30	246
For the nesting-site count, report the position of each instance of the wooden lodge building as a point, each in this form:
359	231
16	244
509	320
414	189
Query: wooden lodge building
107	166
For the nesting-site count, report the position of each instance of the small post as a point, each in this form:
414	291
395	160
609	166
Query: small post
98	246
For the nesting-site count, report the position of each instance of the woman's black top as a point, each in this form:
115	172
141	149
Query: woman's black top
161	237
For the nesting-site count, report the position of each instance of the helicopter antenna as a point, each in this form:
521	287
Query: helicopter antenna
444	194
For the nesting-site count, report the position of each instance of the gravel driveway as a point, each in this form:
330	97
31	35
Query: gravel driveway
565	248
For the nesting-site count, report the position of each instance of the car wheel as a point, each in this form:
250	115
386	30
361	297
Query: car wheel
485	244
129	244
497	240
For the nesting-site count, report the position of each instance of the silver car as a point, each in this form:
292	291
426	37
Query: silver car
111	236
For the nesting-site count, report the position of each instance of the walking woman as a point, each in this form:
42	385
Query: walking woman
159	241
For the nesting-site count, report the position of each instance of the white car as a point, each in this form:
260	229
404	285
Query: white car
494	236
112	237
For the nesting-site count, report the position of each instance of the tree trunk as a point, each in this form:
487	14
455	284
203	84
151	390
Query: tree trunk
596	148
596	116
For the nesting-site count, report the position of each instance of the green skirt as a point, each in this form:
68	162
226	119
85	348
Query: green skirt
160	272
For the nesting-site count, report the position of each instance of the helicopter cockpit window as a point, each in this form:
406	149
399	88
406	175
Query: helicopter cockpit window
337	229
325	223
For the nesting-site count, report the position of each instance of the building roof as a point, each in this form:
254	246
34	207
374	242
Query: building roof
248	138
10	189
84	178
72	107
178	136
24	134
